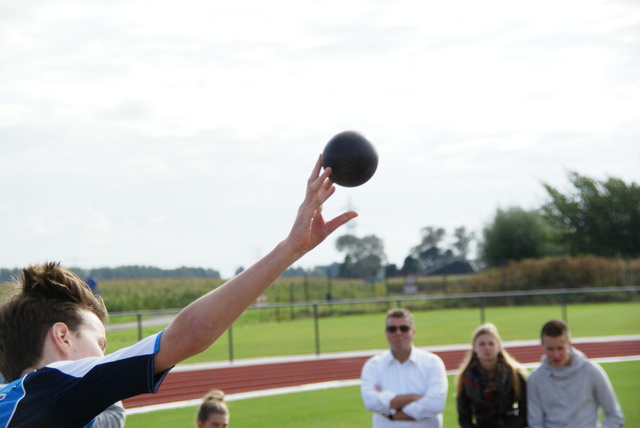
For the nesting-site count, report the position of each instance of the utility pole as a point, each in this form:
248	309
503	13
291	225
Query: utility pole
351	226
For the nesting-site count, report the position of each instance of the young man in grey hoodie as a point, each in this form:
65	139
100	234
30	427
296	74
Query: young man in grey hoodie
567	389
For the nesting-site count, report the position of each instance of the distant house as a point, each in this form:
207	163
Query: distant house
453	267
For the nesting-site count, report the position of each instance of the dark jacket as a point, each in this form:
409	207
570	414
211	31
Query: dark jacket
491	401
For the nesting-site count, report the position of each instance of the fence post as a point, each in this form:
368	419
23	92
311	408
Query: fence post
329	292
317	327
139	317
482	309
292	311
230	333
564	307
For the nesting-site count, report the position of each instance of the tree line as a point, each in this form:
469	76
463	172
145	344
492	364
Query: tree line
127	272
593	217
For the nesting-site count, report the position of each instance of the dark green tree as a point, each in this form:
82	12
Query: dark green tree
410	266
429	252
135	272
348	268
515	234
462	241
364	256
391	271
596	217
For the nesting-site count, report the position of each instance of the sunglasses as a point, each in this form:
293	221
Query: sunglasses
393	328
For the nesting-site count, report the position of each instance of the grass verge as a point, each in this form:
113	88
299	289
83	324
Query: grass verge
342	407
434	327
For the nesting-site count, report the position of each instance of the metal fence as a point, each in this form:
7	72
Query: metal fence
481	301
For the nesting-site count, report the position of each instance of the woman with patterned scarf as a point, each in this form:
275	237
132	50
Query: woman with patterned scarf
491	385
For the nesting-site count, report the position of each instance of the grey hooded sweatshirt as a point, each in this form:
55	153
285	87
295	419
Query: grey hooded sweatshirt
569	396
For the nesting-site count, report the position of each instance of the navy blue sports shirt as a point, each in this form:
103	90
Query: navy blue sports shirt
68	394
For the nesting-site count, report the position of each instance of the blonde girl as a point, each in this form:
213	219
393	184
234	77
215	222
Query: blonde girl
491	385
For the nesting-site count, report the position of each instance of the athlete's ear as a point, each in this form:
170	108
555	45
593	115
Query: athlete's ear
60	337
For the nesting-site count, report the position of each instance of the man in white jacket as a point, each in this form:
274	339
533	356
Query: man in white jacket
404	387
567	390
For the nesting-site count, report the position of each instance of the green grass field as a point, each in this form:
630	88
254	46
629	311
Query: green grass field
434	327
342	407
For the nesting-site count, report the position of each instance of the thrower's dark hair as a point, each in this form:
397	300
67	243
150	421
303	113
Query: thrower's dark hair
44	294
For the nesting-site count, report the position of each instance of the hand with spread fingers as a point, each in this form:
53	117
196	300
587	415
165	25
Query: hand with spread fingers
310	228
203	321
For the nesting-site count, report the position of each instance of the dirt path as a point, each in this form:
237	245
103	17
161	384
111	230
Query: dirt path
192	382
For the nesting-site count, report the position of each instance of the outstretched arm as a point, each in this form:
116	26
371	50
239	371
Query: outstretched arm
201	323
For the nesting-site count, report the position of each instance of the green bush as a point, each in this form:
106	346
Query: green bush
557	273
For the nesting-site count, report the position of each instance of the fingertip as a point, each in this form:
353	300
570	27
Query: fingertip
325	176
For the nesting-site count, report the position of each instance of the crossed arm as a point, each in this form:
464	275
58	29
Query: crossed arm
428	402
399	401
202	322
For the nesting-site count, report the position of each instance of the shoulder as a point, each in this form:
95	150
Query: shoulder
423	357
429	355
379	358
113	417
594	369
535	374
78	368
470	371
375	365
523	375
423	353
49	377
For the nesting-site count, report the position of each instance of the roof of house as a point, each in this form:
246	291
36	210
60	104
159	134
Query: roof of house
453	267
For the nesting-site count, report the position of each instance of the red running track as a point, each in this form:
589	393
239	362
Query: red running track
187	385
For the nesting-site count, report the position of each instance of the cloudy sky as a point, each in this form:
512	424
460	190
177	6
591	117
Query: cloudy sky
182	133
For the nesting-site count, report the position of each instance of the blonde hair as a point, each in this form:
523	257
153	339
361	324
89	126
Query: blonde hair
516	369
212	404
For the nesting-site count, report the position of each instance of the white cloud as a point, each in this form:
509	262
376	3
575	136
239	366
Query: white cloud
160	133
